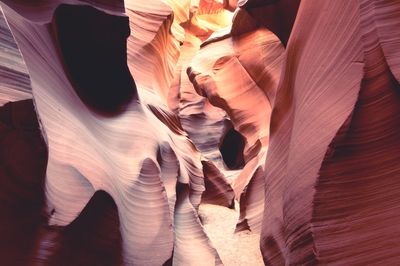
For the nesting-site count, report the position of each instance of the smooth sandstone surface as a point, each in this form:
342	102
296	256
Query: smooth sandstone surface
177	131
14	78
239	72
96	151
332	179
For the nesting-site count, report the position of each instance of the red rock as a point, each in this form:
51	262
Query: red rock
331	186
116	166
238	70
93	148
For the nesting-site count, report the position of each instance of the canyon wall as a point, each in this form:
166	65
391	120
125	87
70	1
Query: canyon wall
118	119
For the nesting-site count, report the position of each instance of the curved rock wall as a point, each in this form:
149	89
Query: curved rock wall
333	154
96	150
133	103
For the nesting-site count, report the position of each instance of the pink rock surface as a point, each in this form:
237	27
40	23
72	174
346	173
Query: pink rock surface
238	70
332	192
130	114
14	78
95	149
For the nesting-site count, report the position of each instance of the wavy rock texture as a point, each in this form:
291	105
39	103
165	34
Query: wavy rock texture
153	54
152	50
238	70
204	124
93	237
94	150
158	108
332	192
14	78
209	127
198	117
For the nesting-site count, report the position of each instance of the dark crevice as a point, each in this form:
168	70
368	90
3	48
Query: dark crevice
93	49
231	148
93	238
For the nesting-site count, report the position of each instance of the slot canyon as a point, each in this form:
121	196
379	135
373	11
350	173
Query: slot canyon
199	132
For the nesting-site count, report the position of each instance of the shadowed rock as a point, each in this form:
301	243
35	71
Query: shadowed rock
231	148
93	47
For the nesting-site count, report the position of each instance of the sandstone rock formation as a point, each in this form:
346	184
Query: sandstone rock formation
238	70
332	189
14	79
94	148
130	114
